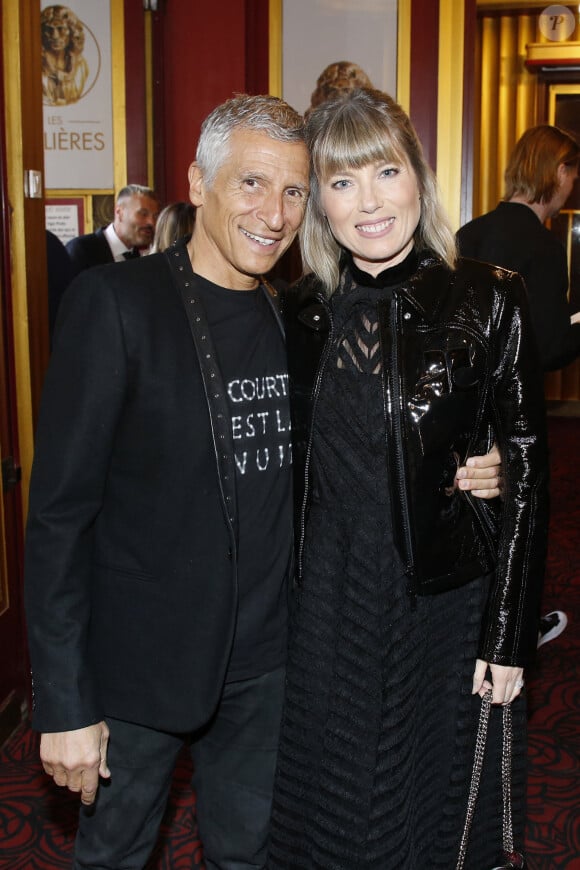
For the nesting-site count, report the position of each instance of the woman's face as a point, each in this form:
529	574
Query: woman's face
373	212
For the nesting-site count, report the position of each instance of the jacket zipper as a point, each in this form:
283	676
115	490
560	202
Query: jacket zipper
397	428
315	395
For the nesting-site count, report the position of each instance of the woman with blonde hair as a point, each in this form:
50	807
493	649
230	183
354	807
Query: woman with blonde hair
413	598
174	222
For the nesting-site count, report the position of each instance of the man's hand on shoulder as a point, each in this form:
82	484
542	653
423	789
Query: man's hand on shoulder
481	475
76	759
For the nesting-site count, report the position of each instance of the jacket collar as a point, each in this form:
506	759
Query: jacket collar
422	290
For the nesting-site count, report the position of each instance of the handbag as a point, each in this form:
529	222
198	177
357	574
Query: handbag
511	859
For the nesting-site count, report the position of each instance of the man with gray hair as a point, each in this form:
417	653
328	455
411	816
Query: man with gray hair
159	539
129	235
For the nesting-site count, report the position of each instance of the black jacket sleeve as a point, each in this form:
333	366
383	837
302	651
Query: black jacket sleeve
509	632
81	404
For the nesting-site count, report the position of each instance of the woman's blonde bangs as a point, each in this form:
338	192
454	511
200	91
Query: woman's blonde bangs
350	142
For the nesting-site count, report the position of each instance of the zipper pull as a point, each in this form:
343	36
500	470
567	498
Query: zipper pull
411	587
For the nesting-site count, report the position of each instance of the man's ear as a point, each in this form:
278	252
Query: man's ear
196	185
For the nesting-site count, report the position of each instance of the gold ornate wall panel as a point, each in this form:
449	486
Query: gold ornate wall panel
508	100
450	107
564	111
27	245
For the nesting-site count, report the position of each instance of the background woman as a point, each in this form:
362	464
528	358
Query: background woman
413	597
175	221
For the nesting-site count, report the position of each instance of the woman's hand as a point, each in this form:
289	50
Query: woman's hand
506	682
481	474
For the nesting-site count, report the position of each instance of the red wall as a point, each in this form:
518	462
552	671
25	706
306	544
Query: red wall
135	92
424	74
200	60
205	52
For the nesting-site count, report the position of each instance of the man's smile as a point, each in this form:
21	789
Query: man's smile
260	239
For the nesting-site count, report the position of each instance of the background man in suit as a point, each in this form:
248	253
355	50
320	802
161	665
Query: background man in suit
129	235
159	540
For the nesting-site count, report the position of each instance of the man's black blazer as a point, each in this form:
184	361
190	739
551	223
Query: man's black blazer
511	236
90	250
130	581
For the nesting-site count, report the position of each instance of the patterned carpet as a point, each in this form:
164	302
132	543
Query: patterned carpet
37	820
553	831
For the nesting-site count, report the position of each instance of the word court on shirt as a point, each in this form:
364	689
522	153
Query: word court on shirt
261	431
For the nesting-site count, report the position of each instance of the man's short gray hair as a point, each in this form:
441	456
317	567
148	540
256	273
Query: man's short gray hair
136	190
266	114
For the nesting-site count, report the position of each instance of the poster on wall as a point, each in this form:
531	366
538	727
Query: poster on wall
77	94
317	33
65	217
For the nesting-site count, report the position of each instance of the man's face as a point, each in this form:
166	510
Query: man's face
55	34
135	219
250	213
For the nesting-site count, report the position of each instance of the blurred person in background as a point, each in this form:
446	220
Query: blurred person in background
174	222
129	235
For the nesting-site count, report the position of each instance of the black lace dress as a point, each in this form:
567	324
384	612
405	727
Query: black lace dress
379	723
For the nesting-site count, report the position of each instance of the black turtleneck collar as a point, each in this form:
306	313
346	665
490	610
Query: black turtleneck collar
389	277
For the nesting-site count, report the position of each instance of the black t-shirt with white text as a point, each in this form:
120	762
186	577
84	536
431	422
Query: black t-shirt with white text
252	359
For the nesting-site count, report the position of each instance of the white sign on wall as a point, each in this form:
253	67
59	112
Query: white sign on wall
77	94
62	219
320	32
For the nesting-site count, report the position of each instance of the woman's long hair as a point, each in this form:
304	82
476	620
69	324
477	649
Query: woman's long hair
175	221
350	132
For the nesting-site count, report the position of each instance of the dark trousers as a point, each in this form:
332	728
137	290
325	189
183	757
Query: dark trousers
234	759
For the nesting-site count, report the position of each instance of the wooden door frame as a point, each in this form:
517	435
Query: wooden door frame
13	659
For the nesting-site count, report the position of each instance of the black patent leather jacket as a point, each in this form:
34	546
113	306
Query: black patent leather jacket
459	371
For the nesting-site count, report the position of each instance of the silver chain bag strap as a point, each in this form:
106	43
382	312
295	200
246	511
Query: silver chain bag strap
512	859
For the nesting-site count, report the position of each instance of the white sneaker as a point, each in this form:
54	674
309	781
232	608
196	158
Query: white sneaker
551	625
